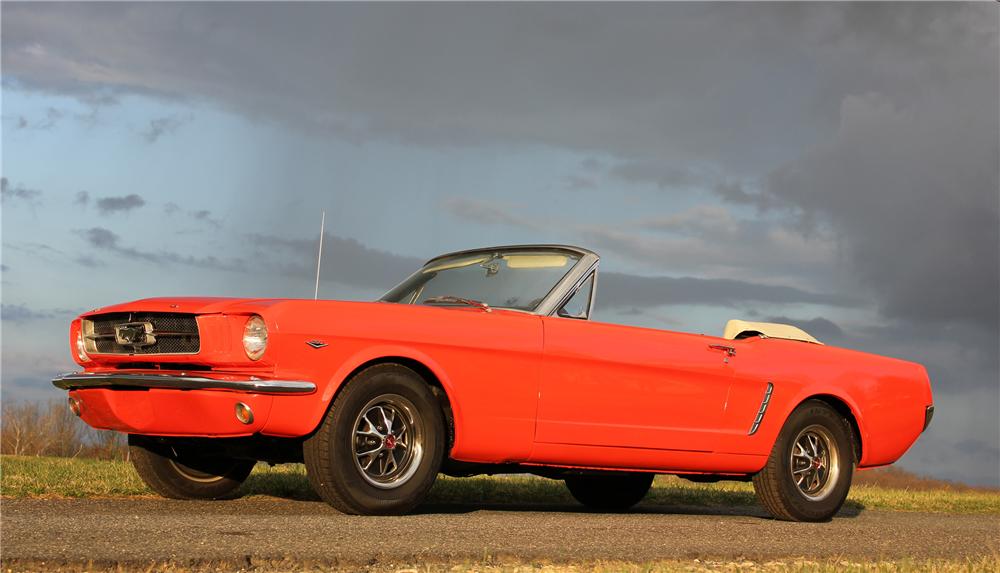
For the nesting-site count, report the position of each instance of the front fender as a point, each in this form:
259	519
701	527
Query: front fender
303	415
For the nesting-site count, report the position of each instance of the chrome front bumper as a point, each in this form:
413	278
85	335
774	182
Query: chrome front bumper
77	380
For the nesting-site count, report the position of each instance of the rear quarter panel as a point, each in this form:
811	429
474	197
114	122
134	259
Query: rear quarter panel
887	396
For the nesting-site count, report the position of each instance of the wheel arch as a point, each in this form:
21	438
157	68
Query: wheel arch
424	366
842	407
429	377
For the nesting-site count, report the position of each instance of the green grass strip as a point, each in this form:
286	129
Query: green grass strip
78	477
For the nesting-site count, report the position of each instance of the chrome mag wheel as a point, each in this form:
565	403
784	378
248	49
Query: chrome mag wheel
388	441
194	474
186	472
815	462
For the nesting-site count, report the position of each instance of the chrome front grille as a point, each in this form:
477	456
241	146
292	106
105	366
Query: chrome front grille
135	333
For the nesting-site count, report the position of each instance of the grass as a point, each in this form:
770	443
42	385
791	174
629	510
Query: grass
24	476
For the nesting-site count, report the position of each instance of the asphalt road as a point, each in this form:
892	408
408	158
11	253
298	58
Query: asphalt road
258	531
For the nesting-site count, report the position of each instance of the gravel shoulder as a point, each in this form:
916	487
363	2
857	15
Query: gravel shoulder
258	530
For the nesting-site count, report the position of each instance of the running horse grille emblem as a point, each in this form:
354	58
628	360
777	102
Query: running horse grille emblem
135	334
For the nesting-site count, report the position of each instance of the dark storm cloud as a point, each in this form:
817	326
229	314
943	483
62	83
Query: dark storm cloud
618	290
110	205
663	175
10	192
108	241
352	263
20	314
89	261
100	238
913	191
644	82
580	183
491	213
161	126
864	117
346	261
51	118
702	238
822	328
205	216
736	192
356	264
979	448
197	215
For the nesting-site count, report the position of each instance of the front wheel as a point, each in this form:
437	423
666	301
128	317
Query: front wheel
184	473
809	471
611	492
380	446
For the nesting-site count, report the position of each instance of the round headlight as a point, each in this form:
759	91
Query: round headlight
255	337
81	348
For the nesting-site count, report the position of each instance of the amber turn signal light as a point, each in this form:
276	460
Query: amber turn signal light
243	413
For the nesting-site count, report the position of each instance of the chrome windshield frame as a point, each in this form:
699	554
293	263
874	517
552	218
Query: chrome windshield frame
561	292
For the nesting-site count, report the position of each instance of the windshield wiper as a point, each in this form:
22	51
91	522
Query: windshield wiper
460	300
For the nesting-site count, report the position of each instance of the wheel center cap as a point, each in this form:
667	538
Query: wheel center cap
390	442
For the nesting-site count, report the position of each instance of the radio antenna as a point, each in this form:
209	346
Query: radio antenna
319	257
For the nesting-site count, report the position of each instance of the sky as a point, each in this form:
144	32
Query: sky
834	166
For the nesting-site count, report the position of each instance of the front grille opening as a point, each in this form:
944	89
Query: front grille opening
170	366
144	333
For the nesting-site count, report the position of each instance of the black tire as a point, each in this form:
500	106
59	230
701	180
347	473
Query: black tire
825	478
610	493
387	487
180	473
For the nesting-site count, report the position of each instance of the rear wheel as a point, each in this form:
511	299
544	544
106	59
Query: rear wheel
380	446
611	492
179	473
809	471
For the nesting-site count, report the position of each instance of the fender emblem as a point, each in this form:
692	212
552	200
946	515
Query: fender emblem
316	343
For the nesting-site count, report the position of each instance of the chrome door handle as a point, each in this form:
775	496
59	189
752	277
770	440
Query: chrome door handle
729	350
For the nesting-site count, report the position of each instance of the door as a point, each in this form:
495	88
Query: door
621	386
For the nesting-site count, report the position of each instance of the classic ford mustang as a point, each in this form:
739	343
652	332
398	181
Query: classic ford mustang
485	361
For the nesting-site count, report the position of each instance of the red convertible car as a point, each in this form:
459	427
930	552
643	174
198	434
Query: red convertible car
484	361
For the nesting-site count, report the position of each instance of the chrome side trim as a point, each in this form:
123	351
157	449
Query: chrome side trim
762	410
75	380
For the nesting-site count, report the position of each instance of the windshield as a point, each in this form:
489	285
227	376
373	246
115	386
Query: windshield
515	279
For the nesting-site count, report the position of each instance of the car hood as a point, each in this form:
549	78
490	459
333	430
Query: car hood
192	305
